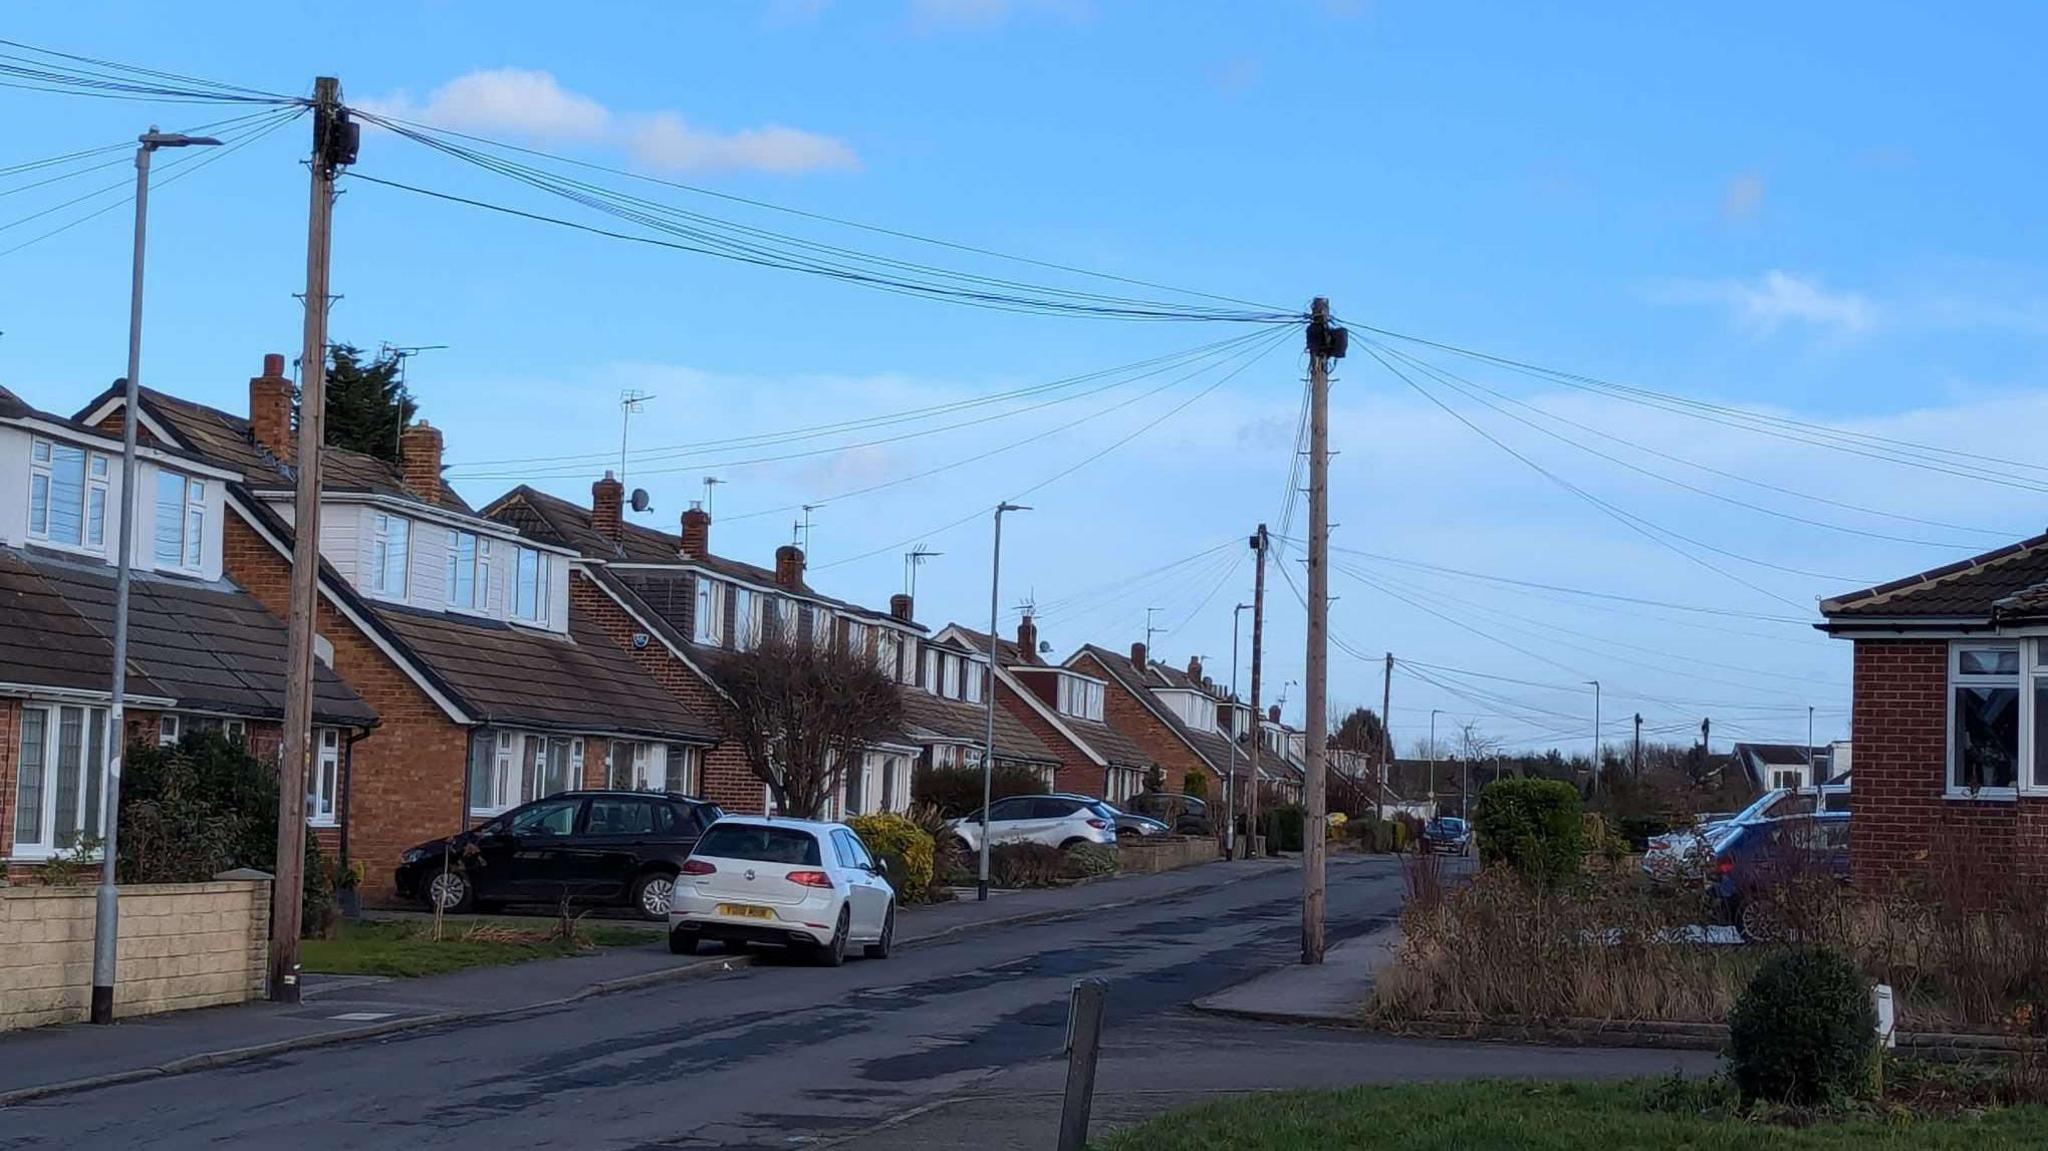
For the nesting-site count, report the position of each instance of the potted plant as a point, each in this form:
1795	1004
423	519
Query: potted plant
347	889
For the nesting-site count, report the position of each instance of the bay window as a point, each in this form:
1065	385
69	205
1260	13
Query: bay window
640	766
67	495
180	520
708	626
61	765
508	768
469	569
530	586
390	555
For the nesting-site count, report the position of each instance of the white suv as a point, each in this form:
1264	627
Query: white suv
1054	820
782	883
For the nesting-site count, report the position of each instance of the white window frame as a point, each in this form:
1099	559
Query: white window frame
2021	681
857	637
972	678
538	585
479	570
1080	697
385	529
167	730
907	666
92	720
190	512
785	618
746	618
949	670
708	626
95	472
323	787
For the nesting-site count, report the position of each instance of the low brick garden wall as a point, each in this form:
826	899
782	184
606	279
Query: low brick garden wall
181	945
1164	853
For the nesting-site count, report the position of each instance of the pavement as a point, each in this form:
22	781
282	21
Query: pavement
1327	994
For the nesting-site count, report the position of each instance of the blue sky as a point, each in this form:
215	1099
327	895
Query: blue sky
1829	213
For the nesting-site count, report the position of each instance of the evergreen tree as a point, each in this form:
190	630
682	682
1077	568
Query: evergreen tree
366	402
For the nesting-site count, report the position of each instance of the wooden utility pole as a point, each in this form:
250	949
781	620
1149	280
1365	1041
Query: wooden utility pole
1251	820
333	146
1386	736
1325	343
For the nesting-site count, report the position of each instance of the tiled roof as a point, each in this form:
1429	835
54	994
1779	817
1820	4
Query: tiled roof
523	677
13	406
1007	651
1103	739
928	717
210	647
2008	583
1212	746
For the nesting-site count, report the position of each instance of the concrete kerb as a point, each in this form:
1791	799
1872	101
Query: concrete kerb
717	965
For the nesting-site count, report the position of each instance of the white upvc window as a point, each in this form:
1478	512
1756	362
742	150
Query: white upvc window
390	555
180	520
530	598
60	774
821	627
857	638
636	765
785	619
1987	727
747	607
973	674
469	571
889	655
1080	698
325	782
551	764
508	768
67	495
907	645
708	626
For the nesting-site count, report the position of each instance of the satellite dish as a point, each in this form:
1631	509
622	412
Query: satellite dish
640	502
1045	647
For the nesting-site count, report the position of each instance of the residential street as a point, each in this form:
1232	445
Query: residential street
784	1054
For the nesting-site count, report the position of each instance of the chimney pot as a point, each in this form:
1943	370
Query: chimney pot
1138	656
696	532
273	363
1027	639
419	460
270	409
899	607
789	566
607	507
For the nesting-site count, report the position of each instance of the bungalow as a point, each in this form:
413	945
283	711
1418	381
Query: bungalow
1177	719
1786	766
1064	708
202	652
1950	712
454	627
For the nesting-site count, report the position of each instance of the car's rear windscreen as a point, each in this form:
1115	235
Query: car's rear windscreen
759	843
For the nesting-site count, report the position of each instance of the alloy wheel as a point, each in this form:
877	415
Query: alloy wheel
655	895
447	891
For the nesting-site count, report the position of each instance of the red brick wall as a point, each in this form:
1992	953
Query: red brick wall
726	780
406	782
1129	715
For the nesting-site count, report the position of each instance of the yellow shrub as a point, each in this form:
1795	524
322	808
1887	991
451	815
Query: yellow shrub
902	848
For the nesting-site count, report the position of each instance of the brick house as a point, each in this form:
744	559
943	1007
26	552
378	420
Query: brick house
682	609
1178	719
1064	708
202	653
460	632
1948	713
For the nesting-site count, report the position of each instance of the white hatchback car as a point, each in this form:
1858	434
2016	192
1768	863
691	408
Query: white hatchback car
782	883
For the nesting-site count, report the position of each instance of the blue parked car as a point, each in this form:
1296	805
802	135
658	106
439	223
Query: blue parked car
1447	834
1754	859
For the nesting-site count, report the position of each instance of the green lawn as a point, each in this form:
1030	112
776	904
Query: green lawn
407	947
1537	1117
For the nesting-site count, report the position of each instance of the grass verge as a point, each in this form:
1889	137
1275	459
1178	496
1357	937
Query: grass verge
1540	1117
407	948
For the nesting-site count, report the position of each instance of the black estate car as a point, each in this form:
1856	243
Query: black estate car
621	848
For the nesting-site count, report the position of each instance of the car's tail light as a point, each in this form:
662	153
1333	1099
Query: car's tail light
809	878
698	867
1097	824
1725	866
1660	845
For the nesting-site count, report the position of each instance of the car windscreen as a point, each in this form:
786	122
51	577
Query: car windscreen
759	843
1103	810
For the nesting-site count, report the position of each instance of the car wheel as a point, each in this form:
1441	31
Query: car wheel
1072	843
652	893
879	949
450	892
683	942
1755	921
834	953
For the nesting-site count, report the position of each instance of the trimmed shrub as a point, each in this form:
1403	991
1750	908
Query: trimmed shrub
1025	865
955	791
1086	860
902	848
1195	783
1531	825
1804	1031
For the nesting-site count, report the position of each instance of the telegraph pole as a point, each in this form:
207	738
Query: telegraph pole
1639	745
1386	736
334	145
1325	343
1251	821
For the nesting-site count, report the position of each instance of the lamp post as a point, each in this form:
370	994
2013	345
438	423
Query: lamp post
1230	780
1433	713
1596	732
106	905
988	746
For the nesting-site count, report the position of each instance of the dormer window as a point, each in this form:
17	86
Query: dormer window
708	627
67	500
469	570
1080	698
180	520
973	676
530	586
390	554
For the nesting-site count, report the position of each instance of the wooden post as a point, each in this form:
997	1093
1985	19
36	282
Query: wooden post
1251	819
1084	1040
1386	737
1318	656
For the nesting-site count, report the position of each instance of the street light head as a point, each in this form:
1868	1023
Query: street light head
1006	506
155	139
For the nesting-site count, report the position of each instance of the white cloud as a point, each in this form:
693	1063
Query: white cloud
1778	298
989	13
533	105
1744	197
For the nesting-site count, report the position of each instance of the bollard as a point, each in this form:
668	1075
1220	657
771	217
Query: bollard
1084	1037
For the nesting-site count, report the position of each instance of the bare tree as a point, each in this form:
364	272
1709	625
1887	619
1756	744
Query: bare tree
803	714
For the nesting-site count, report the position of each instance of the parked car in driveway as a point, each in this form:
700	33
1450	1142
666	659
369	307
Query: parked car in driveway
1129	823
1755	859
1686	853
1185	814
1447	834
616	848
1054	820
783	883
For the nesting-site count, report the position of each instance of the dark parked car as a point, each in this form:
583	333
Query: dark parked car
1185	814
1447	834
1756	859
621	848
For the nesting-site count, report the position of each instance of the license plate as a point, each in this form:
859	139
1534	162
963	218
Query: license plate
745	911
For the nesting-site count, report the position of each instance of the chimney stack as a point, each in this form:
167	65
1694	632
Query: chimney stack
696	531
270	409
419	460
607	507
789	567
899	607
1138	656
1027	639
1195	668
1273	713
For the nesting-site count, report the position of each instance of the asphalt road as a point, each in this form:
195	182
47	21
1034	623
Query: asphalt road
782	1055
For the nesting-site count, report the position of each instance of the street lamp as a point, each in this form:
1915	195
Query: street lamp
1433	713
1596	732
1230	780
106	906
988	746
